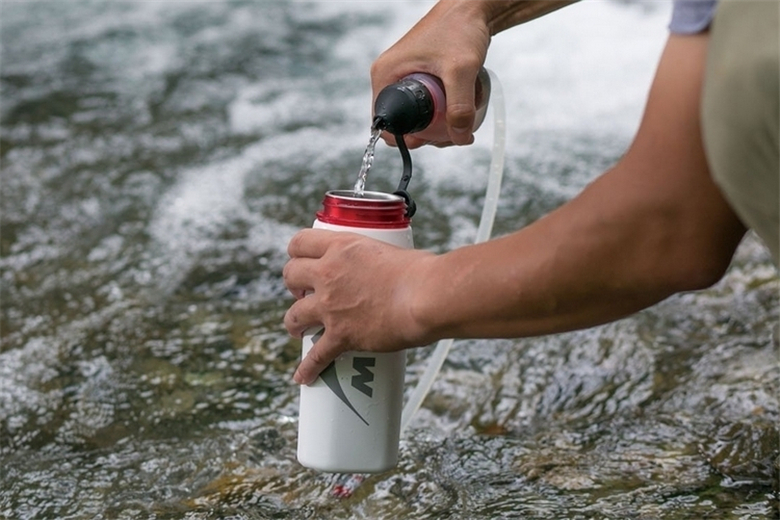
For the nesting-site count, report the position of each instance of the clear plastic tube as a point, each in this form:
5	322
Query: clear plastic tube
348	483
495	174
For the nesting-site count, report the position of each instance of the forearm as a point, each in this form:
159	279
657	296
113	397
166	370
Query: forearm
594	260
653	225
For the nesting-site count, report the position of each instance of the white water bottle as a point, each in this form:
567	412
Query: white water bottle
350	416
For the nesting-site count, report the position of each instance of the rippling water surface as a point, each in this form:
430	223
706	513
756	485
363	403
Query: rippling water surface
157	157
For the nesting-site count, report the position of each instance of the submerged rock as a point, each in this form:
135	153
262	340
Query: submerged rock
745	451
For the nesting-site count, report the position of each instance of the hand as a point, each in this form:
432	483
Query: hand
358	288
450	42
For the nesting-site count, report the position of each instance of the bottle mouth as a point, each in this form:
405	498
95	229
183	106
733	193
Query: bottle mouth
373	209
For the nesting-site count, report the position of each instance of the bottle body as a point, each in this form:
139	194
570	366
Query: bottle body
350	416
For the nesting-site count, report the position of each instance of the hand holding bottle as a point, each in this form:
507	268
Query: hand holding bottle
360	289
450	43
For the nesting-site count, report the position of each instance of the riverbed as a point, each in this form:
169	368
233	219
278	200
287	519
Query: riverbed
156	159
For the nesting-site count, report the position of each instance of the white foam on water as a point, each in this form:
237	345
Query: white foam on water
192	213
24	373
344	102
273	104
587	66
207	200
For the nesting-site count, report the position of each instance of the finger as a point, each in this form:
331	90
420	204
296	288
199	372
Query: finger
301	316
319	356
298	276
389	138
446	144
411	141
309	243
460	105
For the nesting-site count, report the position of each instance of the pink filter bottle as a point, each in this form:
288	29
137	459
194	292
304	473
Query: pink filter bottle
417	105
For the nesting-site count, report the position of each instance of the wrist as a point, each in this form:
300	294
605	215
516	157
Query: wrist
470	11
503	14
421	299
442	296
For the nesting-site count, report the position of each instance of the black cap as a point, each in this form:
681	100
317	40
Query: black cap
403	108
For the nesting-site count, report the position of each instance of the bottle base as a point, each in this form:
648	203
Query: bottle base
331	467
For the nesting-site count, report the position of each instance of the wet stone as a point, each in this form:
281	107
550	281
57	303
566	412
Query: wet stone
745	451
269	439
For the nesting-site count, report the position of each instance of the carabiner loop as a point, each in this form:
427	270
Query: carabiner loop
406	176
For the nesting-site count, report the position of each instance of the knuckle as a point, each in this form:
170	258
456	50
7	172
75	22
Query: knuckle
381	64
317	356
470	61
291	320
294	244
342	239
460	110
467	61
286	273
377	66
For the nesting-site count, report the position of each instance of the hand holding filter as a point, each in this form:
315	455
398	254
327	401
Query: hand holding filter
417	105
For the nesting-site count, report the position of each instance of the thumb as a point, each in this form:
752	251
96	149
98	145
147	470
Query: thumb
317	359
460	107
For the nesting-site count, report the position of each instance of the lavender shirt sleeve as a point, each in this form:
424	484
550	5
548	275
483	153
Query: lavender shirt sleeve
692	16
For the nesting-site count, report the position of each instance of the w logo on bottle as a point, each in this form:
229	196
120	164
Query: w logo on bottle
364	375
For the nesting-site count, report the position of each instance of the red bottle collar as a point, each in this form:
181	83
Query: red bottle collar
372	210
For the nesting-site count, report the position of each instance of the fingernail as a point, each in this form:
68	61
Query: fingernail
298	378
460	129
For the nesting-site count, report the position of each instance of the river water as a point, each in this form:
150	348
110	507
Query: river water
156	159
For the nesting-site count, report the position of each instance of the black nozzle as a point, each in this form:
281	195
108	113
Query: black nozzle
403	108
